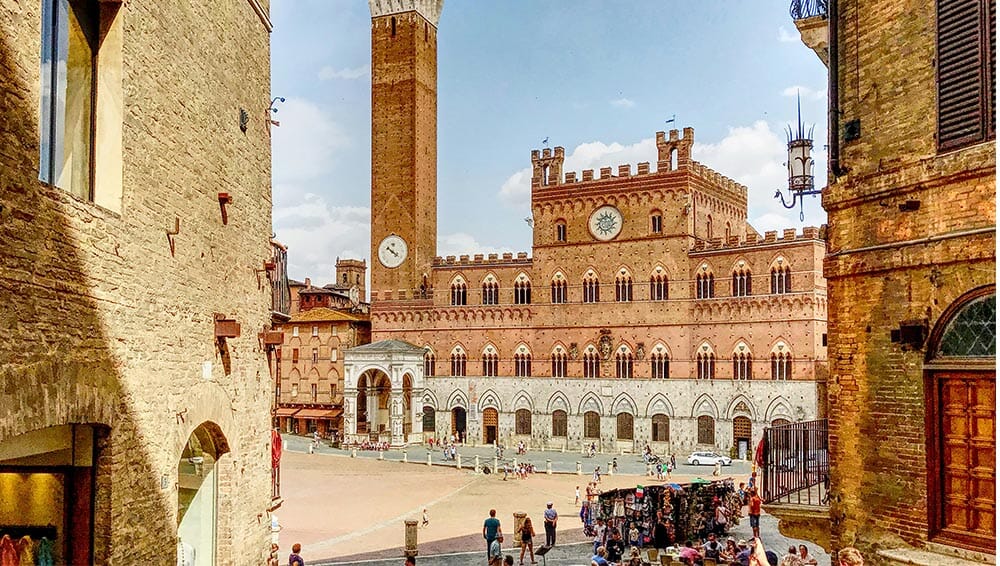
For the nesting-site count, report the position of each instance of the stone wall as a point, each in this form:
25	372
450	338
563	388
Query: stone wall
108	320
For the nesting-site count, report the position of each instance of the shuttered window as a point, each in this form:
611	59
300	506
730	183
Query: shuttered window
966	74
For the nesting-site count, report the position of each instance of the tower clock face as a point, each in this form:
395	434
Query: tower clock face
606	223
392	251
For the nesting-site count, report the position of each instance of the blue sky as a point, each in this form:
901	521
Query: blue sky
596	77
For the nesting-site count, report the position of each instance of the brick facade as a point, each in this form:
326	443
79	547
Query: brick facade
680	221
109	321
912	230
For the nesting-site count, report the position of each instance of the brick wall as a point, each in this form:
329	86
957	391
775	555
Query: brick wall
104	324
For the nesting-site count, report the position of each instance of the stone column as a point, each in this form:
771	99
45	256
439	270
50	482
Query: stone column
350	414
396	418
410	538
548	467
429	462
477	464
579	469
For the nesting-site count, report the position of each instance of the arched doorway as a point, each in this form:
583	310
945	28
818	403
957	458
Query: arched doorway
960	402
197	495
742	435
407	406
491	422
429	425
458	422
374	390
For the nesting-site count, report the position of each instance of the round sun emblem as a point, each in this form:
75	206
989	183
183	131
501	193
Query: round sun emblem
606	223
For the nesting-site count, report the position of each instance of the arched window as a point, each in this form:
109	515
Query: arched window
742	280
706	430
559	423
522	421
661	428
561	231
558	289
961	413
522	290
742	363
459	292
728	233
559	362
491	290
706	363
781	277
659	363
656	222
591	288
591	363
623	363
522	362
623	286
430	363
490	361
781	366
708	227
658	285
625	426
705	282
591	425
458	359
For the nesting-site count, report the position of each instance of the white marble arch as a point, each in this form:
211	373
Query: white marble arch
779	408
735	411
591	402
558	401
488	399
659	405
624	403
458	398
430	399
522	401
704	405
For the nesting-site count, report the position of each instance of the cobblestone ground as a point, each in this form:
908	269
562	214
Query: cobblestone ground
346	510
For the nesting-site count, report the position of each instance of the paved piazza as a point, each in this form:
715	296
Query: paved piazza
351	510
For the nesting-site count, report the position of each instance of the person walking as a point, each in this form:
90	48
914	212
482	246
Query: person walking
495	553
673	462
491	530
577	500
718	468
527	540
426	521
551	517
755	503
295	559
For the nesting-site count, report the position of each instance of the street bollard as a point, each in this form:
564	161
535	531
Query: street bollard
515	464
458	461
548	467
410	538
477	463
354	452
381	455
563	449
496	465
404	456
579	469
429	462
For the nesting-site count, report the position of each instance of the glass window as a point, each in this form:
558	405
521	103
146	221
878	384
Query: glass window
973	331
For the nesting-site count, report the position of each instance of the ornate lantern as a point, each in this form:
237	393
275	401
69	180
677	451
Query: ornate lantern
800	166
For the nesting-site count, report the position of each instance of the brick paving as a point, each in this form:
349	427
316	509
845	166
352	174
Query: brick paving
348	510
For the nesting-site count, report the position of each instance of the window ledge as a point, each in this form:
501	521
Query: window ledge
935	555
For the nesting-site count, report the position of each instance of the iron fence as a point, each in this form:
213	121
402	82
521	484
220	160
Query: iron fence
796	465
802	9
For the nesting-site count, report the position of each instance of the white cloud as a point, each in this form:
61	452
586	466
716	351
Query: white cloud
328	73
755	156
623	103
460	243
317	233
302	147
785	37
804	92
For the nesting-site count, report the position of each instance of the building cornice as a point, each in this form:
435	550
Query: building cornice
429	9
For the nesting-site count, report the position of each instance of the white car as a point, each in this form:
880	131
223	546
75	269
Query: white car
708	458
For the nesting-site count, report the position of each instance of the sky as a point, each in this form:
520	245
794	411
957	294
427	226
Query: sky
597	77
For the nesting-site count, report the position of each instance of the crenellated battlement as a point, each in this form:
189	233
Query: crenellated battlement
506	258
770	237
429	9
673	154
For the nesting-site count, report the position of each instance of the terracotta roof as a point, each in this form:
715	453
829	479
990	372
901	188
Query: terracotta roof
323	314
383	346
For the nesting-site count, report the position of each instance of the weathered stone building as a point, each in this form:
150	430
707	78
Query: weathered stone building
911	272
135	216
649	311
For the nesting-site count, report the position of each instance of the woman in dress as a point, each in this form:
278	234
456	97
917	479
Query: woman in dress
527	532
661	537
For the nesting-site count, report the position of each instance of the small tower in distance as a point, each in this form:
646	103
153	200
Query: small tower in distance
351	272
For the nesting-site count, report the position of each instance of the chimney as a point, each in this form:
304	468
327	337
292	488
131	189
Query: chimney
308	283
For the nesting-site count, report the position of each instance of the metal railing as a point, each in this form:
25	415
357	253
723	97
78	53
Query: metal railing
802	9
796	465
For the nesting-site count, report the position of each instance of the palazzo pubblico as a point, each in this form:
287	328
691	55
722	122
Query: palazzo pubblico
649	310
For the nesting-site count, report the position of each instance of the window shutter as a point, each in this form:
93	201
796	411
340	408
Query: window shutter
966	75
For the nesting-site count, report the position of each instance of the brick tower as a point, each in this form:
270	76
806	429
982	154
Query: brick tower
404	143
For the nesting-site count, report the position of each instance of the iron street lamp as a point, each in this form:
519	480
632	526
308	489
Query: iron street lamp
800	166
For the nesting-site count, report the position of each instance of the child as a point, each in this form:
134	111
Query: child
634	538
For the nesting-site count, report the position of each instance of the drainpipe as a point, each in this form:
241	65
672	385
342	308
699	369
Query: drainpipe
834	78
